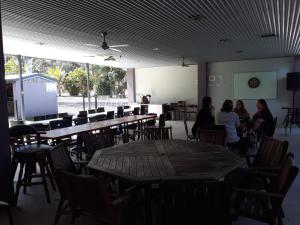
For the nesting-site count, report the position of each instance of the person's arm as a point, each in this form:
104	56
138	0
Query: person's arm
237	120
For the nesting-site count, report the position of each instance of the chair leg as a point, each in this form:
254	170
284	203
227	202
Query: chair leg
44	180
58	211
49	174
10	217
19	183
26	179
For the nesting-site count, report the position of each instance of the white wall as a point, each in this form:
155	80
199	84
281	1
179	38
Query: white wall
168	84
39	98
223	87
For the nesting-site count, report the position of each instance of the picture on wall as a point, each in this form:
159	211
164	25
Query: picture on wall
255	85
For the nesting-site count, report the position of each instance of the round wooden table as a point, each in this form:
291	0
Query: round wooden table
149	162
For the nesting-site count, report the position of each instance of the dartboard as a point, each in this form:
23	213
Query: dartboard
253	82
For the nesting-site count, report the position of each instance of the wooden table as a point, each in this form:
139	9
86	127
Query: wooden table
44	122
88	127
149	162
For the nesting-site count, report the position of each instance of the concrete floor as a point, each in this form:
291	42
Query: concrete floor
33	210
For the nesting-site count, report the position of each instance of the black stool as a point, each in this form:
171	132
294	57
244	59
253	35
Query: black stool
27	152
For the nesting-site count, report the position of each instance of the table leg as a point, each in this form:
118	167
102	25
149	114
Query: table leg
148	208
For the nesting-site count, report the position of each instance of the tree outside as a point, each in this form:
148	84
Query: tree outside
59	75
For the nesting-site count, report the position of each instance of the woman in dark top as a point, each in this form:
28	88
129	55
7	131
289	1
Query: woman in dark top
204	116
263	119
242	111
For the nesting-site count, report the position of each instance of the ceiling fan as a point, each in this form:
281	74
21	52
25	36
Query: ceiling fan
105	46
183	64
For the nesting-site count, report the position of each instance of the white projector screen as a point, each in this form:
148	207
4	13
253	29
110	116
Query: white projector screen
267	88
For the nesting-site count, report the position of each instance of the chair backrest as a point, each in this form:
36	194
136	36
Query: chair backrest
22	135
158	133
215	134
91	111
60	159
51	116
120	111
100	109
68	118
57	124
162	120
82	112
40	127
287	175
96	141
80	120
87	193
38	118
136	111
144	109
110	115
271	153
151	122
62	115
126	107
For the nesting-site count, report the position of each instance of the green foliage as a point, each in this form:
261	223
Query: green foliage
59	75
75	82
11	67
109	81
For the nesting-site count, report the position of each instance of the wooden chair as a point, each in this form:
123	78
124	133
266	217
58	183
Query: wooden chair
51	116
91	111
136	111
158	133
213	135
100	109
186	129
97	118
59	159
110	115
6	207
120	111
96	141
266	205
27	151
62	115
144	109
89	194
57	124
270	155
80	121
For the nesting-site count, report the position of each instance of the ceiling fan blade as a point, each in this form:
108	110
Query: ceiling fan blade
91	45
113	49
119	46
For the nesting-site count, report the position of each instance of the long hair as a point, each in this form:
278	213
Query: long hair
264	104
242	109
227	106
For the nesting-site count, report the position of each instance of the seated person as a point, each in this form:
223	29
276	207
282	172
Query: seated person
241	111
231	121
262	121
205	116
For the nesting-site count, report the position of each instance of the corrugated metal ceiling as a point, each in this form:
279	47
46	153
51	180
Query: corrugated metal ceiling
163	24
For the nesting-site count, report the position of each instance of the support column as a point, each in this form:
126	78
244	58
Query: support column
6	176
21	87
87	66
202	83
131	89
297	93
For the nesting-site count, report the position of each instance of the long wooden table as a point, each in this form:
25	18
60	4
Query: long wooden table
88	127
148	162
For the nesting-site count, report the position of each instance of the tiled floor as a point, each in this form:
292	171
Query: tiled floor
33	210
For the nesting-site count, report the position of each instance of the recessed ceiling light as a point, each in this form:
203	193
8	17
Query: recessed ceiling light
196	17
224	40
155	49
239	51
268	35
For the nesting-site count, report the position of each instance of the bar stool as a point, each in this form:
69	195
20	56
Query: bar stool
28	151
